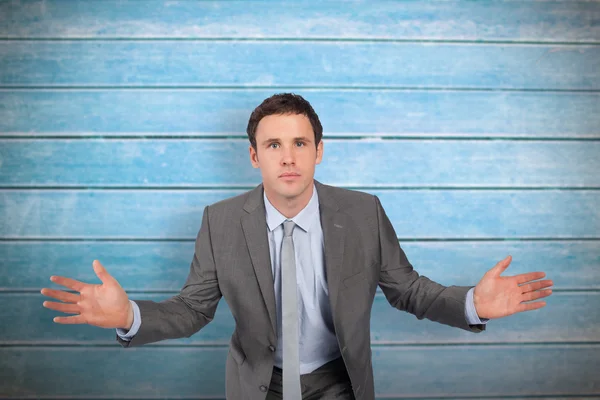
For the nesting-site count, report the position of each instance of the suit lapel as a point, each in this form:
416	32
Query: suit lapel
333	224
254	225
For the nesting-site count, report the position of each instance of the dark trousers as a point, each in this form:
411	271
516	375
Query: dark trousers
330	381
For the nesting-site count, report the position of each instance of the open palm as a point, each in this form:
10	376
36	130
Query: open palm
498	296
105	305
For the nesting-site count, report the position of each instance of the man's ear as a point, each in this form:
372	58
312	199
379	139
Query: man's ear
253	157
319	152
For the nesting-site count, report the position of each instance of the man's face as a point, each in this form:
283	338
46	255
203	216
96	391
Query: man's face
286	155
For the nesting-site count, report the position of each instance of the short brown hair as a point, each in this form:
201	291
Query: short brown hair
284	103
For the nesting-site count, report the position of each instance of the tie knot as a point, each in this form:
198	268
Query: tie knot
288	227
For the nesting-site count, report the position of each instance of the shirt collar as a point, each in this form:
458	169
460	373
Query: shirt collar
303	219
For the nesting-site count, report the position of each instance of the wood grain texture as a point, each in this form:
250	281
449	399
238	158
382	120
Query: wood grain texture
356	163
156	214
476	124
458	370
303	64
568	317
164	266
551	21
225	112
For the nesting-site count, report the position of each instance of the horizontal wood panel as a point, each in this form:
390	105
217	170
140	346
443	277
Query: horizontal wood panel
423	371
224	112
164	266
452	20
181	162
493	370
567	317
304	64
414	213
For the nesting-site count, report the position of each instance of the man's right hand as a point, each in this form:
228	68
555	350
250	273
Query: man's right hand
105	305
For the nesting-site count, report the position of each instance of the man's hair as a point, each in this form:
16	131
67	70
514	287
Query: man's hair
280	104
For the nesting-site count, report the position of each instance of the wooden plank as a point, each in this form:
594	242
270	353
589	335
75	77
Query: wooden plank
567	317
439	214
225	112
414	371
487	371
177	162
322	64
164	266
451	397
452	20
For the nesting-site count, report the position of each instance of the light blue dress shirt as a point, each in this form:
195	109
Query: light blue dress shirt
318	343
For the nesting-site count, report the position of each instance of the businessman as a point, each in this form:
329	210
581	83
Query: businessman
298	263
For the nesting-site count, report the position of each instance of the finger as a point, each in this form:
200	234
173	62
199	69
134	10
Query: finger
530	306
61	295
531	287
530	276
74	319
68	282
501	266
63	307
101	272
536	295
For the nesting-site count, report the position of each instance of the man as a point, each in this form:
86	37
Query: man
334	246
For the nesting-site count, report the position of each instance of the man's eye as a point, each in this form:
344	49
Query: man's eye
274	144
300	143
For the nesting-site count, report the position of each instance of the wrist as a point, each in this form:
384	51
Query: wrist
129	320
475	299
476	302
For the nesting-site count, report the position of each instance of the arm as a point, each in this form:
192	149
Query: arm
189	311
407	291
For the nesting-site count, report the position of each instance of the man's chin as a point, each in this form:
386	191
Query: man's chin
291	189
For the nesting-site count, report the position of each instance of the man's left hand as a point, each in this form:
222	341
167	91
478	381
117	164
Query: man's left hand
498	296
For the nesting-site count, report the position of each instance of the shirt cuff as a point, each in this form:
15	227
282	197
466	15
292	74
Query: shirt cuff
137	321
471	312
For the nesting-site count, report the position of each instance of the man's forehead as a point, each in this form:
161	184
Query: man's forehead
283	129
284	119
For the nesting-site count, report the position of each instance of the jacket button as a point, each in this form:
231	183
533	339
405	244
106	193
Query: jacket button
263	388
271	348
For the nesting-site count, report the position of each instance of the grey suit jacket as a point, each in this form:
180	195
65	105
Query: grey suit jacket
232	259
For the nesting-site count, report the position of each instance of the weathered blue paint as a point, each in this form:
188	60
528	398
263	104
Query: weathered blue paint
516	370
226	162
164	264
545	21
225	112
304	64
419	213
562	321
476	123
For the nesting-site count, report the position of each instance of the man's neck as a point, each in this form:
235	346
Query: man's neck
290	207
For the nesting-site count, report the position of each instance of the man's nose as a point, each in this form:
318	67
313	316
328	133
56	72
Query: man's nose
288	156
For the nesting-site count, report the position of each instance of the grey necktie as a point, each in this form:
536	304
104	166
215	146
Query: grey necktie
289	311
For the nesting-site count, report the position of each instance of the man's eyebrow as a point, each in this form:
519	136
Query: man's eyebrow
269	141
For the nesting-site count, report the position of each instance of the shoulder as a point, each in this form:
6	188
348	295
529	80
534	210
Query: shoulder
231	204
231	207
348	199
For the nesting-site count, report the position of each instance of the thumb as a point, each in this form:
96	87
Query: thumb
101	272
501	266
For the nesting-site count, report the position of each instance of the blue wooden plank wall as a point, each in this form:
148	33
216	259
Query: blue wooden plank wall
477	124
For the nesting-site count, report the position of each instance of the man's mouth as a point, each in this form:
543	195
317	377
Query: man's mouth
289	175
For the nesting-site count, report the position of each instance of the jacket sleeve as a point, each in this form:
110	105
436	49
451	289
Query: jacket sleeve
189	311
418	295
